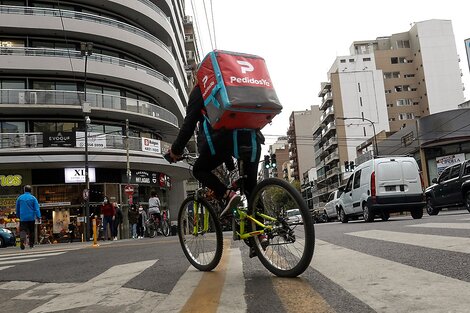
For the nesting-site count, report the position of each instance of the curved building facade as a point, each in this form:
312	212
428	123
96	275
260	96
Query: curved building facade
113	69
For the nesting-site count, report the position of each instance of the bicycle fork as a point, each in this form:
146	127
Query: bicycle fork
200	212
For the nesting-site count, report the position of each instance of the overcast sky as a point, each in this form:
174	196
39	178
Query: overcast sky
300	39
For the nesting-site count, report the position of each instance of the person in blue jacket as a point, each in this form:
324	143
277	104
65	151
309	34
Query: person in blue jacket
27	209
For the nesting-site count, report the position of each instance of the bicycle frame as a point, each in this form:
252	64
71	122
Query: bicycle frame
244	216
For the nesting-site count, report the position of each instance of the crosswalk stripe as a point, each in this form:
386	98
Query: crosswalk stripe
388	286
443	225
455	244
18	261
29	256
233	294
96	289
29	252
5	267
465	219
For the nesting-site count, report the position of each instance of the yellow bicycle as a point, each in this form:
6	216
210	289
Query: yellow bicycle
284	243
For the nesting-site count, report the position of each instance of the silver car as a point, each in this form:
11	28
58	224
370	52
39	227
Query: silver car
294	217
330	206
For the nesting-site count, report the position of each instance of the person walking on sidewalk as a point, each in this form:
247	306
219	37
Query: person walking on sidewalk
133	216
107	216
118	217
141	222
27	209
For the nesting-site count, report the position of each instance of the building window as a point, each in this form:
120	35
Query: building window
360	100
404	102
13	127
342	61
351	60
359	87
394	60
406	116
388	91
403	43
402	88
391	119
366	59
409	75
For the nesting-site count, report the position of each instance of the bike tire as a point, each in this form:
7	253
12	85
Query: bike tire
165	228
274	197
203	249
151	231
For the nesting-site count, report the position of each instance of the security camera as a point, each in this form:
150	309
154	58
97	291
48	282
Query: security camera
87	120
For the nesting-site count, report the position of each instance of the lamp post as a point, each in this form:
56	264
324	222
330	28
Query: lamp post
375	147
86	49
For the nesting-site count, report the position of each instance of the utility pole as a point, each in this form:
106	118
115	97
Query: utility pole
128	175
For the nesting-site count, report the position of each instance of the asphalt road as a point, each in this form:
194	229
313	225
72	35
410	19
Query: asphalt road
402	265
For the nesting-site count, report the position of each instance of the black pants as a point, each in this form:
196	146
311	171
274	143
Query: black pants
27	228
223	145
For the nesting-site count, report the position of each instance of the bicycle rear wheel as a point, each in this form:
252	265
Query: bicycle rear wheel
165	228
290	243
200	234
151	230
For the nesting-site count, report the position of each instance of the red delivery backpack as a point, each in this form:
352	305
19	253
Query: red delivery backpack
237	91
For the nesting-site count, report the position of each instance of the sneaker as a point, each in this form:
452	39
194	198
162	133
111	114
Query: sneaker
230	202
22	246
263	240
115	238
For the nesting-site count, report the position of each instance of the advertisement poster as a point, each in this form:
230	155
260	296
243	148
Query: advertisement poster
59	139
448	160
61	220
77	175
95	140
151	145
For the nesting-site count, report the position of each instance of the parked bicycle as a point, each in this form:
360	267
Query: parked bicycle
284	249
155	225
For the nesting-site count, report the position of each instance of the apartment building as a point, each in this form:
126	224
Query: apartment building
381	87
281	149
299	136
114	70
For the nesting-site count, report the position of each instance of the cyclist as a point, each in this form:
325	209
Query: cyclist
223	144
154	206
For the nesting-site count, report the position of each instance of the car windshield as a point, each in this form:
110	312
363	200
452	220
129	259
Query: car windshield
293	212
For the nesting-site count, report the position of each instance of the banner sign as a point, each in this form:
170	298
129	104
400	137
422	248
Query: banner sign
77	175
11	180
59	139
95	140
151	145
148	178
448	160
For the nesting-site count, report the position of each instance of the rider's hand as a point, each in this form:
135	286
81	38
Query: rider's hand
174	157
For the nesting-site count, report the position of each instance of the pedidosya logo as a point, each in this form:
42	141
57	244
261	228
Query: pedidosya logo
247	67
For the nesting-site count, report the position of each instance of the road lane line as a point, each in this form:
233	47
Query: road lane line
206	297
233	293
443	225
448	243
38	251
5	267
18	261
387	286
96	289
298	296
28	256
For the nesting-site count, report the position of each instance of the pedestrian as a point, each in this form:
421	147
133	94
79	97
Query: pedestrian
72	228
118	217
141	222
27	209
107	216
154	207
133	216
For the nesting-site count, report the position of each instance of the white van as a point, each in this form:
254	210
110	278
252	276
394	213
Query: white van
382	186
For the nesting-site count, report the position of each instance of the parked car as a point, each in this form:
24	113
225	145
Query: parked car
331	207
7	238
382	186
452	188
294	217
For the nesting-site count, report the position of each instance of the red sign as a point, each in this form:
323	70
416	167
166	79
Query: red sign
129	190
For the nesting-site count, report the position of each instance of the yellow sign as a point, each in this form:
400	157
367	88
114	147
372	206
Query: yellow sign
7	202
10	180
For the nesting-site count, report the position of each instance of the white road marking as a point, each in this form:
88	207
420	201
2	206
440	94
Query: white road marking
443	225
29	256
455	244
5	267
18	261
390	287
45	292
232	299
18	285
181	292
96	289
464	219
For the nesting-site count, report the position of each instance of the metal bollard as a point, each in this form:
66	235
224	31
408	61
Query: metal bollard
95	236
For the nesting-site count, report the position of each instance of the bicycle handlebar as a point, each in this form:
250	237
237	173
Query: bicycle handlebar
183	157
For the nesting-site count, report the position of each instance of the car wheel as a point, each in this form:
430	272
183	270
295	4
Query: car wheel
467	200
342	216
2	243
327	218
417	213
430	209
385	216
368	213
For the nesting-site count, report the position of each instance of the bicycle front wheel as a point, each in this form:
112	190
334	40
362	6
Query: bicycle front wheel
165	228
151	230
287	249
200	233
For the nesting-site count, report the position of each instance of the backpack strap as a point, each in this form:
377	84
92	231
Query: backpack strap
208	135
254	146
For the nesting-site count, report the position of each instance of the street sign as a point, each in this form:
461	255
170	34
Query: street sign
129	190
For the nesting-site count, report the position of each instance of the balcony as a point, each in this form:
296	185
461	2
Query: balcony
331	157
333	141
331	126
328	112
327	100
325	88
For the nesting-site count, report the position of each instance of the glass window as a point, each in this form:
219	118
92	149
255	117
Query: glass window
114	130
66	86
357	179
66	127
42	44
467	169
12	43
42	127
44	85
445	175
349	184
13	127
96	128
13	84
455	171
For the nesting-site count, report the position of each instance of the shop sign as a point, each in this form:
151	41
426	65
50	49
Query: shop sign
59	139
129	190
165	181
53	204
448	160
95	140
151	145
8	202
77	175
10	180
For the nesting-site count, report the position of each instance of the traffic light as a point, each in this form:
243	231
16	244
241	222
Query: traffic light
273	160
266	161
351	166
346	166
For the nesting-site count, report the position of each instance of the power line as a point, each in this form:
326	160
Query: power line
208	24
197	26
213	25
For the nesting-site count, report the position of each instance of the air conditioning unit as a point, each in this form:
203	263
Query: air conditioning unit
33	97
